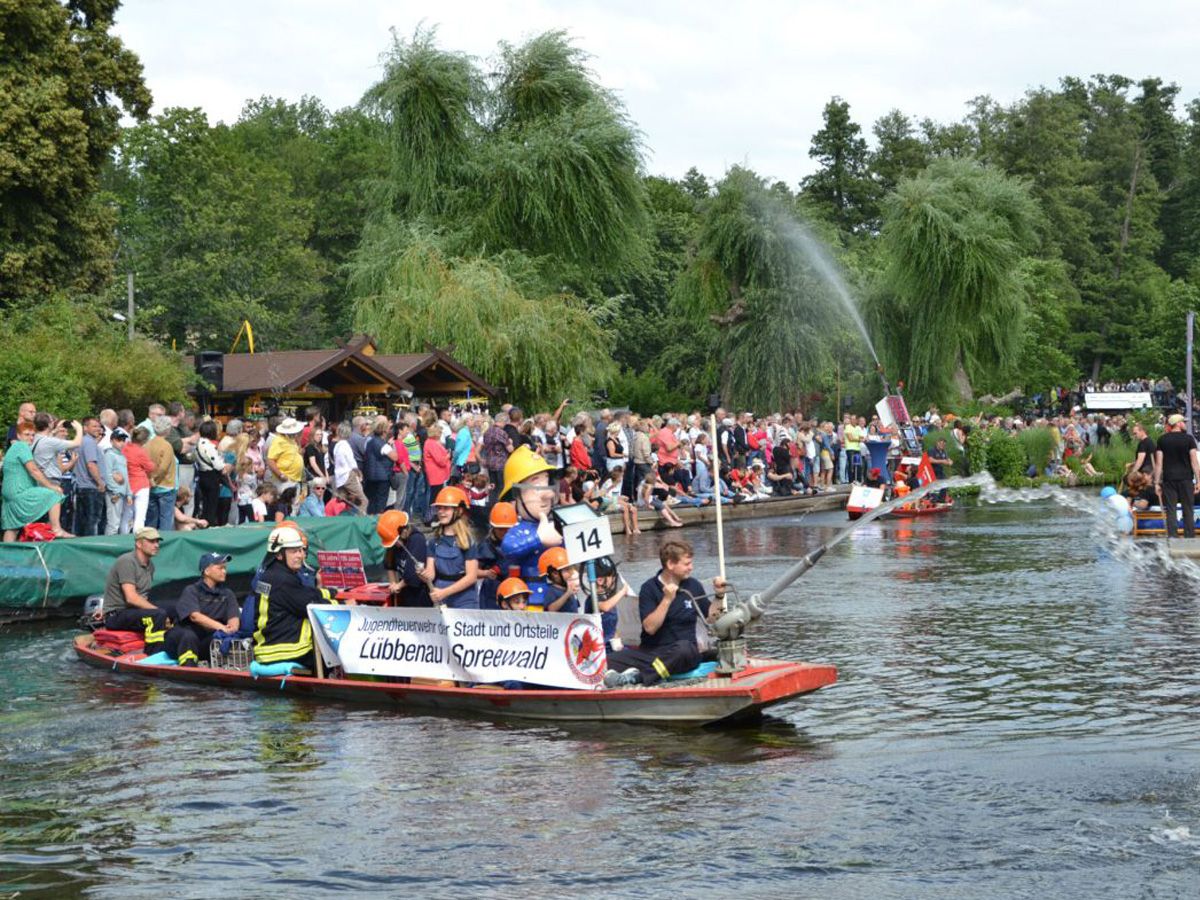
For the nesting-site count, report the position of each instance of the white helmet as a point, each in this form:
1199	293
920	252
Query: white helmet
285	537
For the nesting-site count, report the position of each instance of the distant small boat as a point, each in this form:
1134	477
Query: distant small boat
922	509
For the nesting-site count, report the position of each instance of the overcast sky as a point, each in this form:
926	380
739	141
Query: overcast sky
710	84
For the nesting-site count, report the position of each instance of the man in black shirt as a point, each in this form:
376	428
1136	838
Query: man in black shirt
1143	461
1176	469
671	605
204	609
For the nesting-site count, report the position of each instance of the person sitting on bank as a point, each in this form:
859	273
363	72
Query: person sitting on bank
206	609
282	632
404	554
127	605
314	502
28	493
184	522
671	604
452	560
562	582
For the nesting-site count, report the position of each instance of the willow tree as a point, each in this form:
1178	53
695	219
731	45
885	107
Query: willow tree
751	287
950	307
530	173
535	347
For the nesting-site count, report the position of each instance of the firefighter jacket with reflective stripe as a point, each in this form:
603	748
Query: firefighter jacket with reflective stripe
282	630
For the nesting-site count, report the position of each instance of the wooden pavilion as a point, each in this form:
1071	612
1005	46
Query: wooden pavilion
348	379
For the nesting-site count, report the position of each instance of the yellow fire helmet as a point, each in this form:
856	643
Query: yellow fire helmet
521	465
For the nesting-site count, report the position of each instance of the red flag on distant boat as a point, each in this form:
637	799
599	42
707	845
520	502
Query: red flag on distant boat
925	470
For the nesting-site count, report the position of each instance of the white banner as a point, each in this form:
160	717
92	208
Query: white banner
552	649
863	497
1118	400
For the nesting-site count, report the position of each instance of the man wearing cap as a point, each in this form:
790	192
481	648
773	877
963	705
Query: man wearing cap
205	609
126	605
1176	471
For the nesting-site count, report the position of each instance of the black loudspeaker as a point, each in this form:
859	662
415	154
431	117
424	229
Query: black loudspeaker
210	365
714	402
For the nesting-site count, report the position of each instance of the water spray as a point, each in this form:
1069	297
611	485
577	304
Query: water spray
731	626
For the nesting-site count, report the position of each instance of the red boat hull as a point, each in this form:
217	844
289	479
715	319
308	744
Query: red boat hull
707	701
922	510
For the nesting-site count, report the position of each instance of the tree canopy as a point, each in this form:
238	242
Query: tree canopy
66	81
500	206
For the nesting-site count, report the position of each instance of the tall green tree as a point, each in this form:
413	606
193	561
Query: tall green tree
65	80
899	153
215	236
333	162
841	188
951	307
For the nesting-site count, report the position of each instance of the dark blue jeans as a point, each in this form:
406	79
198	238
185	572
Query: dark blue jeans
89	512
160	513
416	500
377	495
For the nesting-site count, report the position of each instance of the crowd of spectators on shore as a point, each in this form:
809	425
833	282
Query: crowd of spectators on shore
110	474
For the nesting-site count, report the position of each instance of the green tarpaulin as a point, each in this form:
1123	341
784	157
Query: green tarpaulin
48	575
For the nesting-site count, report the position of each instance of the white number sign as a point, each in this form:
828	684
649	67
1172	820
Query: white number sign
588	540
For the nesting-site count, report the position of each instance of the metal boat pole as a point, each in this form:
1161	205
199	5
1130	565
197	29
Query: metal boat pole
715	461
1191	325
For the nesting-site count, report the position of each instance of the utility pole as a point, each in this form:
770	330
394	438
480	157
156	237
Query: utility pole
1191	326
129	299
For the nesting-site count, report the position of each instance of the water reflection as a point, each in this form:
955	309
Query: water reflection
1015	709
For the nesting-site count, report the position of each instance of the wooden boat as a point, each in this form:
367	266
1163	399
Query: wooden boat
700	701
1153	522
929	510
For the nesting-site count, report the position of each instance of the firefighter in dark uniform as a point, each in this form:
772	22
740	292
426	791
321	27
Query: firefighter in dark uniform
127	605
282	632
205	609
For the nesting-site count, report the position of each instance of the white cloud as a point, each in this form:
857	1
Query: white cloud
709	84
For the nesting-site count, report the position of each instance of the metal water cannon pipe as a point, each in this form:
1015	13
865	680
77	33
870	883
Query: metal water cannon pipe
887	388
731	626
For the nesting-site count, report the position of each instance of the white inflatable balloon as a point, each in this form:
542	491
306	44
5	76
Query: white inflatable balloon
1122	515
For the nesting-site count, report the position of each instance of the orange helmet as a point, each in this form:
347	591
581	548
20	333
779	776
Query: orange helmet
512	587
900	476
554	558
503	515
451	496
389	526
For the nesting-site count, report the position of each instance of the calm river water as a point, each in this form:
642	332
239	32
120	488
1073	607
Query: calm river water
1016	716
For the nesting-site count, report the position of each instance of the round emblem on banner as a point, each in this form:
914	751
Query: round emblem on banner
584	646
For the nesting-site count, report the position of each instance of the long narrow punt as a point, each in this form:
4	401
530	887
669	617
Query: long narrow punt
701	701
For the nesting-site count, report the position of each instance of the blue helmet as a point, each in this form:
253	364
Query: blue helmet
1107	492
